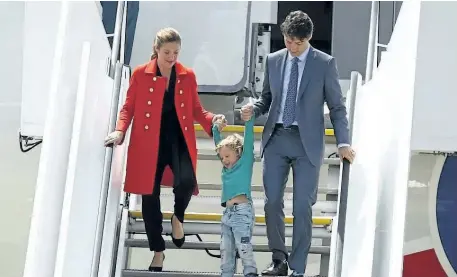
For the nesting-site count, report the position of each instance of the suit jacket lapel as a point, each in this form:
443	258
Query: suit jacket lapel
281	66
307	72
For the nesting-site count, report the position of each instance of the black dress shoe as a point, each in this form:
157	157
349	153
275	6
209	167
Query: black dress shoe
276	268
157	268
178	242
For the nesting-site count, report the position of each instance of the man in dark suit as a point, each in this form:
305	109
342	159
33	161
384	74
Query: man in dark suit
298	81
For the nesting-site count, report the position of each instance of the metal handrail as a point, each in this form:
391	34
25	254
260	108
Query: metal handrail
117	38
372	41
115	72
338	243
253	59
106	173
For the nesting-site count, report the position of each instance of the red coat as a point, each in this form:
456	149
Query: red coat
144	104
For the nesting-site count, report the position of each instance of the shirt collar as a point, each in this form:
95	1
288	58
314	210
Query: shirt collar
302	57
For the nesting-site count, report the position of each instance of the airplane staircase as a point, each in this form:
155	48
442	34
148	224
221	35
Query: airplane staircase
328	212
118	230
199	224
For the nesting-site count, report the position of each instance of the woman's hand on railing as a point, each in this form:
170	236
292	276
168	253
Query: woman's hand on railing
115	138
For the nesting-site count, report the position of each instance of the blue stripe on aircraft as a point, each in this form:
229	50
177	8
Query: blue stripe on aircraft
446	209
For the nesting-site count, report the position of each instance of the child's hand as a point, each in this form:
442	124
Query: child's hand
219	126
220	123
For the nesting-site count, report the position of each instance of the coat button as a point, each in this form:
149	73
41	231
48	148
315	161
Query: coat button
185	128
180	91
151	90
148	115
179	81
182	105
183	117
149	103
146	127
154	79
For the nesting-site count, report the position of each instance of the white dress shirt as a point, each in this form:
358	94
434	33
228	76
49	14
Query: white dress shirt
285	85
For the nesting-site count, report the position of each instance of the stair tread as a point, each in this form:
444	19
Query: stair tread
257	129
317	220
211	245
204	202
203	155
259	188
144	273
214	228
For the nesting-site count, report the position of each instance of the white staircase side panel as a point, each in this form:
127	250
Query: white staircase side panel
84	180
435	112
379	177
214	34
46	214
73	30
362	193
40	34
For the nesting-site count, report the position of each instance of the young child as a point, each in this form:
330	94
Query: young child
238	218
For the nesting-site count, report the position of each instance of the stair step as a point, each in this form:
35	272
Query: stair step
201	203
205	156
214	228
144	273
216	217
257	129
195	245
258	188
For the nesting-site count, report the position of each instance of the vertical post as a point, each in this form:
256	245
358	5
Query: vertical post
338	244
253	58
117	38
123	34
372	40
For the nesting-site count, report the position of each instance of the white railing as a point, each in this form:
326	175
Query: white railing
64	227
379	176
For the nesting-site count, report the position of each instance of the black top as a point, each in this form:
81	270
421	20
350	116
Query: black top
169	97
170	130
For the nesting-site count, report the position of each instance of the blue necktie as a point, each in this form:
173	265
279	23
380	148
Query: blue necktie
291	97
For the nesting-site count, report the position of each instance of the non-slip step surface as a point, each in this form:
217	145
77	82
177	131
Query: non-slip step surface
194	245
213	203
259	188
144	273
216	217
208	156
214	228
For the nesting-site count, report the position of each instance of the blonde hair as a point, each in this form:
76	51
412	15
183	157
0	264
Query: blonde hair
163	36
234	142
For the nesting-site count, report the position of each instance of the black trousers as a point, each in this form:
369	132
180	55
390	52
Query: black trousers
174	153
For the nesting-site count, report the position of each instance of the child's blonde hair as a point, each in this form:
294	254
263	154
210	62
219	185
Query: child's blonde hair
234	142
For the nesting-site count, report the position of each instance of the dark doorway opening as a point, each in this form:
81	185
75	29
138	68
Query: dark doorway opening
321	12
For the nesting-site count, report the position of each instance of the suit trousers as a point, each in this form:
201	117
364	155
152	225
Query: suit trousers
283	151
173	152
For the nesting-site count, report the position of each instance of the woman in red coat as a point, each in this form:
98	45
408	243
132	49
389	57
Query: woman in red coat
163	100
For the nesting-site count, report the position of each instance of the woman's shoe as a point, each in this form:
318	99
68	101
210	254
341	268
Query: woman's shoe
178	242
157	268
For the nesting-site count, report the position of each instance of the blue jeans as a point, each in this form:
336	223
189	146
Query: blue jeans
237	226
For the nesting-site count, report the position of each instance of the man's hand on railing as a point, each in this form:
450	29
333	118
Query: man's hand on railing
114	138
346	152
